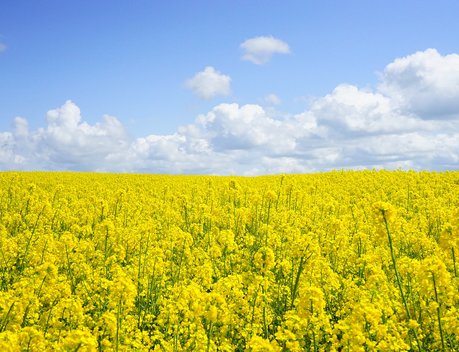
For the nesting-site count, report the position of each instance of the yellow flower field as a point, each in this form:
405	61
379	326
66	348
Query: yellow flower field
339	261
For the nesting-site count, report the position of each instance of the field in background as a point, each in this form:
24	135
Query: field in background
340	261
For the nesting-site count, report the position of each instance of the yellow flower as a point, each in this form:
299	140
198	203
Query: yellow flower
264	259
271	263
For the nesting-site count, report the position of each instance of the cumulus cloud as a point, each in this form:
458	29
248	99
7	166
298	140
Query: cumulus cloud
424	83
21	127
349	109
259	50
67	143
391	126
209	83
248	127
8	157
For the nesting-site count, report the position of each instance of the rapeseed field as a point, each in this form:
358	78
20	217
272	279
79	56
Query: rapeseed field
338	261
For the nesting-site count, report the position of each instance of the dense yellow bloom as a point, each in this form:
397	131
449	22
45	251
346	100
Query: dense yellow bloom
338	261
264	259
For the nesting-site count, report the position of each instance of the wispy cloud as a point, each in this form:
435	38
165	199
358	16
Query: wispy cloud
396	124
272	99
259	50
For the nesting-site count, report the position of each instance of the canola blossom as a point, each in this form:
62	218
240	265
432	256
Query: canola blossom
338	261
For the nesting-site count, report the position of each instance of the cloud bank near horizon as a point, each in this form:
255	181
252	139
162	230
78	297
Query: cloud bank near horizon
409	120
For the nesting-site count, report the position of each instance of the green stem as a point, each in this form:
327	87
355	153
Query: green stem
209	336
397	275
265	324
438	313
118	323
253	307
297	281
454	261
394	263
5	320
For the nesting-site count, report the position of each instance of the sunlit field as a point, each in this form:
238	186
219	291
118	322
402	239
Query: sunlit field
339	261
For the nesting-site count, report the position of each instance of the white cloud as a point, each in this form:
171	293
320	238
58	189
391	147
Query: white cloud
69	141
348	128
350	109
259	50
234	127
66	143
2	47
21	127
209	83
7	154
273	99
425	83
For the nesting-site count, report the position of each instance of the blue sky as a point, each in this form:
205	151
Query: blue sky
136	61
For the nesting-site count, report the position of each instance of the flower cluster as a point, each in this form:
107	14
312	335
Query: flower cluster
338	261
